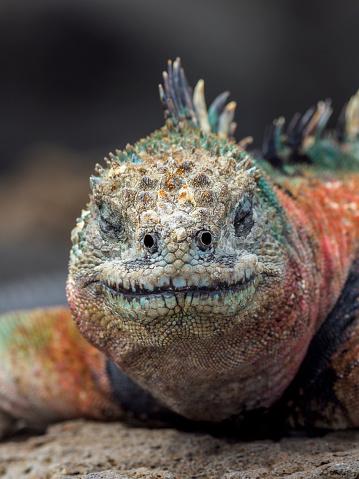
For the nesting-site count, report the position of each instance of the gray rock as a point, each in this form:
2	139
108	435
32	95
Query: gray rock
141	473
93	450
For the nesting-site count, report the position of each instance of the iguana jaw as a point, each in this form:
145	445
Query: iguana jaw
204	290
219	287
164	318
184	271
178	305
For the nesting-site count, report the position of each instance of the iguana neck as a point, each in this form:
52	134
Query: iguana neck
324	217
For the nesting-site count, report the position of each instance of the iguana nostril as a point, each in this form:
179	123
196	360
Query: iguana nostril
204	240
150	242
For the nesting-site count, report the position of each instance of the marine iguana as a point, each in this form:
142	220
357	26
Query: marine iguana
208	282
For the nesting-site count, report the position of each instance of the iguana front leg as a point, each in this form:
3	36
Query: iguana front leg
49	372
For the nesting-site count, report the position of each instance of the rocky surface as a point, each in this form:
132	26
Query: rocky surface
90	450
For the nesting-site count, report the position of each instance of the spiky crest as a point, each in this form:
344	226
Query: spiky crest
181	106
186	109
280	147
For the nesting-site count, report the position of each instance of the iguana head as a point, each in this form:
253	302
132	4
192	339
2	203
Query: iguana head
176	243
178	239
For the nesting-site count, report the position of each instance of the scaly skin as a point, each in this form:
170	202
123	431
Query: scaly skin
204	272
48	371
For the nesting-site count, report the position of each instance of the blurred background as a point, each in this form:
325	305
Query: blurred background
79	79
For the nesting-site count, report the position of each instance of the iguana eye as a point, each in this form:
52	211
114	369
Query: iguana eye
243	219
110	224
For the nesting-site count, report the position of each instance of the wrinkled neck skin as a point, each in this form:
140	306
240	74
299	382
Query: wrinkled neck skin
326	218
243	359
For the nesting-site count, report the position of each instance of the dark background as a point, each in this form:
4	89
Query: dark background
79	79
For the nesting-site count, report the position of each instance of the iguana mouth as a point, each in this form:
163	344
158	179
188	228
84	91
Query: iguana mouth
218	278
173	305
217	288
